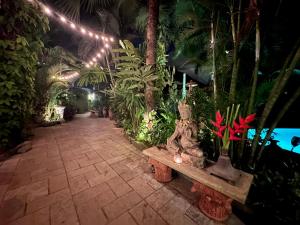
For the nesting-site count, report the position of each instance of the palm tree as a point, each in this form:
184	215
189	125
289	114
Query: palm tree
153	9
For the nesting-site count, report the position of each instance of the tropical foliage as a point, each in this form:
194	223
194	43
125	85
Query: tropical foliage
20	45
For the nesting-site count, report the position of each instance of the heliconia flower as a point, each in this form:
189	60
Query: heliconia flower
217	125
236	125
218	133
250	118
219	117
234	138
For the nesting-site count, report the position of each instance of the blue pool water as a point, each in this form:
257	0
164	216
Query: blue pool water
282	135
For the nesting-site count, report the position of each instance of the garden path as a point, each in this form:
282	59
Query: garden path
85	172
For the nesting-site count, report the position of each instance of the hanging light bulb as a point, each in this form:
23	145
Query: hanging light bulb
102	50
102	37
83	30
112	39
98	55
106	45
91	34
63	19
47	11
96	36
94	59
106	39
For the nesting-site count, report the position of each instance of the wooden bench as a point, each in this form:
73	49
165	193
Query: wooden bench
216	194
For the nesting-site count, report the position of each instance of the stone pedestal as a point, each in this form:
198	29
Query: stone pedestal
163	173
212	203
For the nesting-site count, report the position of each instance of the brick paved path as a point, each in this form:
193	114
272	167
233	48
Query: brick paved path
85	172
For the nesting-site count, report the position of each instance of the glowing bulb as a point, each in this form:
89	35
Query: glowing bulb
91	34
98	55
106	39
96	36
91	63
102	37
106	45
94	59
63	19
72	25
102	50
112	39
47	10
83	30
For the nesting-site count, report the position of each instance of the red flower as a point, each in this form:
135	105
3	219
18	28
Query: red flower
218	133
219	117
250	118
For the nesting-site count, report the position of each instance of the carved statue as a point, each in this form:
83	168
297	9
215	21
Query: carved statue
184	139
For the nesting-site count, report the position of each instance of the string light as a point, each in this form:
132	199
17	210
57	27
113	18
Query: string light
82	30
72	25
63	19
47	10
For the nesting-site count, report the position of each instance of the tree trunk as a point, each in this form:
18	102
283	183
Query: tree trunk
256	67
235	67
282	79
153	9
214	77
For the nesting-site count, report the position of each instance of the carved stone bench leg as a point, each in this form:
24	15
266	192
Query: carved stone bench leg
163	173
212	203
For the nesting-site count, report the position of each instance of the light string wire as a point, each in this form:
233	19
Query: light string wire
96	36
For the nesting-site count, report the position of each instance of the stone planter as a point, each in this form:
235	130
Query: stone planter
223	169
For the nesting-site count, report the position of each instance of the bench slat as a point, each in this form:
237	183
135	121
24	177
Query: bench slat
238	192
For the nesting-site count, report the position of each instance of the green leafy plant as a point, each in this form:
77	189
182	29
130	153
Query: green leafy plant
20	44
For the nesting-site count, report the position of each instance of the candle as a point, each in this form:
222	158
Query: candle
177	158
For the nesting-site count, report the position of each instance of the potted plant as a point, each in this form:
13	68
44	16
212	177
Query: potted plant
229	129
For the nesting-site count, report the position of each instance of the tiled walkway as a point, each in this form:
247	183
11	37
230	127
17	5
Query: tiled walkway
85	172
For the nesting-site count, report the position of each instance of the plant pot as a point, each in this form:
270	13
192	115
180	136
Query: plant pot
223	169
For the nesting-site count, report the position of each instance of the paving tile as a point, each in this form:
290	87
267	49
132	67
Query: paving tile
31	191
174	212
160	197
145	215
40	217
71	165
3	189
90	214
78	184
57	183
44	174
183	185
81	171
12	209
47	200
124	219
141	186
90	193
6	177
198	217
105	173
19	180
63	213
121	205
9	165
119	186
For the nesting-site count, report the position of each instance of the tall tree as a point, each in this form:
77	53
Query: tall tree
153	9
